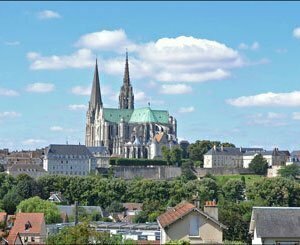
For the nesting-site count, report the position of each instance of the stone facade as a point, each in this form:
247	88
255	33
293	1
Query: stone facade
126	131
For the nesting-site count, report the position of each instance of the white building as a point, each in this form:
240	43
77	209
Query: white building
33	170
69	160
231	157
275	225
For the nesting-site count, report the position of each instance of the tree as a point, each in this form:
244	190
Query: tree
175	156
27	186
187	172
2	168
83	234
290	171
259	165
166	154
233	190
275	192
37	205
11	200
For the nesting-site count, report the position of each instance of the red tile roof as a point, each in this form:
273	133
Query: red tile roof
35	219
173	214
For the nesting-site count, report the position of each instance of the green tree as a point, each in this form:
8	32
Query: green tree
83	234
175	156
166	154
233	190
115	206
11	200
290	171
27	186
37	205
2	168
187	172
275	192
259	165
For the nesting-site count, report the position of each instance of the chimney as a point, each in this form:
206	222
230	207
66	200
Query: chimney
215	147
211	209
196	200
241	149
222	148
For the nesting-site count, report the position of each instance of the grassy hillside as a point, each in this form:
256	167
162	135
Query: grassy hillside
222	179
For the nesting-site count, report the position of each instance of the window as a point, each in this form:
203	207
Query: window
194	226
32	239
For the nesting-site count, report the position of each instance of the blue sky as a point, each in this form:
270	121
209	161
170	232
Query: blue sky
227	71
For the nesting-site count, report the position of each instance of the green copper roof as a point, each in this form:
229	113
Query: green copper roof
141	115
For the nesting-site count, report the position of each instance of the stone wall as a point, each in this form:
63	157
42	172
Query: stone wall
146	172
200	172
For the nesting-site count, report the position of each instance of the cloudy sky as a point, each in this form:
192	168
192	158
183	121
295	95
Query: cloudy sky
226	71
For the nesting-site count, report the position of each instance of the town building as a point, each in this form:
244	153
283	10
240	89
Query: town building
275	225
228	157
101	155
127	131
57	197
69	160
232	157
30	227
294	158
188	222
32	170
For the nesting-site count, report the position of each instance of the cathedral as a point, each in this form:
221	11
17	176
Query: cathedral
128	131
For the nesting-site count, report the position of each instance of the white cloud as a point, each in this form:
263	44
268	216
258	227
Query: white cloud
296	115
175	89
9	114
267	99
40	87
267	119
12	43
80	59
186	109
56	129
296	32
105	40
8	92
33	141
76	107
179	59
254	46
281	50
48	14
80	90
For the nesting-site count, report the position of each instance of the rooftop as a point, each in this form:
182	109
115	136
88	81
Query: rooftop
279	222
74	150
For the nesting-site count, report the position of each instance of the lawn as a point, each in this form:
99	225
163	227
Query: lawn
249	178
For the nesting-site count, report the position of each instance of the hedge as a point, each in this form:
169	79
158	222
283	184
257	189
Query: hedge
136	162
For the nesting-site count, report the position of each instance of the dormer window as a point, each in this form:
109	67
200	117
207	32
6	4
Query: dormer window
27	226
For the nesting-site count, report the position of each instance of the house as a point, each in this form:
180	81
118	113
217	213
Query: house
31	228
69	160
228	157
101	154
68	211
31	169
57	197
294	158
131	209
275	225
188	222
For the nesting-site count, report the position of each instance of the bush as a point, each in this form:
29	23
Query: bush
136	162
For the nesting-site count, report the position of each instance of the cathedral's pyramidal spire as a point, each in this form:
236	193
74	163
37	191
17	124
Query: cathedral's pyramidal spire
96	99
126	97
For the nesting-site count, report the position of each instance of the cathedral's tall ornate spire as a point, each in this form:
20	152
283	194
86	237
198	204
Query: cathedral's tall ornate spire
126	97
96	99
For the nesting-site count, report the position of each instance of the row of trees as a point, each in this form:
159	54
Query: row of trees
156	196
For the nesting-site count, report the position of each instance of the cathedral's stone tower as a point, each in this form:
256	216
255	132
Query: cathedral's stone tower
126	97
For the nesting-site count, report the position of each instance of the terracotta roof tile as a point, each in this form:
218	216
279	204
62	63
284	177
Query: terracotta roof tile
173	214
36	220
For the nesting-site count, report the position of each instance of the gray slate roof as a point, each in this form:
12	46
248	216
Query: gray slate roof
232	151
70	209
279	222
295	153
75	150
98	149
